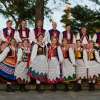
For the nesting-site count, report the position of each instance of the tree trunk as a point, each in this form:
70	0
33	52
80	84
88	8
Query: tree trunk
39	10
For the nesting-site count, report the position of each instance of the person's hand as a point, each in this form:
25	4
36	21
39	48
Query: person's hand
74	65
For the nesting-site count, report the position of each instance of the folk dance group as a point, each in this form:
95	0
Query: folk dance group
47	57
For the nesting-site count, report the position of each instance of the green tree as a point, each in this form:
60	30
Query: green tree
83	16
26	9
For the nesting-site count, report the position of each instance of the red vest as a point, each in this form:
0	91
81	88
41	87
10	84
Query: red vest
26	33
65	35
54	33
8	36
39	31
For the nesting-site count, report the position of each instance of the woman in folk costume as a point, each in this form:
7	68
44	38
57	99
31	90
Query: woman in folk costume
68	34
80	65
68	65
92	60
8	33
39	65
8	62
55	57
54	33
21	70
39	30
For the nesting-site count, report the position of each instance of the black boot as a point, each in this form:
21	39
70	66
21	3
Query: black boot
9	88
66	87
38	87
22	88
54	87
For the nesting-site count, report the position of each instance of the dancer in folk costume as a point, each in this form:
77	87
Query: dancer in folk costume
92	60
80	64
68	34
39	30
54	33
83	36
39	65
23	32
68	65
21	70
8	62
8	33
96	39
55	57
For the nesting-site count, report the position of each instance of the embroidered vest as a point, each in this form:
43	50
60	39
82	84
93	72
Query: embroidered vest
54	33
65	35
39	31
26	33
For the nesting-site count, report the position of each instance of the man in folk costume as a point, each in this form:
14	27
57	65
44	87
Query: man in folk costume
23	32
8	33
97	38
68	34
23	62
8	62
54	33
83	36
39	30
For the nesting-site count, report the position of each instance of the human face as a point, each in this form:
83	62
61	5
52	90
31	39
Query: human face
19	45
24	24
40	38
9	24
90	45
54	25
39	23
68	28
25	43
84	31
78	43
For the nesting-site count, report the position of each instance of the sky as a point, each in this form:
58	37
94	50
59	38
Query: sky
57	13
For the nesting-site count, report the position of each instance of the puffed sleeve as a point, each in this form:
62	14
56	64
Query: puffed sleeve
97	56
60	38
94	38
60	54
17	37
4	54
72	55
19	55
78	36
45	40
2	36
32	36
74	39
34	52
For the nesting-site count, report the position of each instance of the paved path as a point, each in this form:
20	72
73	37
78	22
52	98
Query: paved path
49	95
